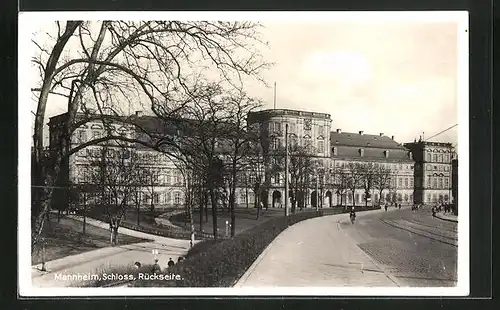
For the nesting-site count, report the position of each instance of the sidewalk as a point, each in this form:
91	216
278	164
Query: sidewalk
97	260
447	217
315	252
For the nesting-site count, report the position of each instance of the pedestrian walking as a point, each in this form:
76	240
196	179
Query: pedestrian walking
170	262
180	259
385	207
399	206
156	267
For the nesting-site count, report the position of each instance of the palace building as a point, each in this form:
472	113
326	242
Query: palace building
419	172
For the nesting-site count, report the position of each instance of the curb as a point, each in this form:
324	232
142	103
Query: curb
445	219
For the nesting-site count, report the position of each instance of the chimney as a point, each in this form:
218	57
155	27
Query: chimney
339	130
138	113
361	132
392	137
381	134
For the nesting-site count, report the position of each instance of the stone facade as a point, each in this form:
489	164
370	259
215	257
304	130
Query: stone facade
433	171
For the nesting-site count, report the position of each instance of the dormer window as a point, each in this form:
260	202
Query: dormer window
410	155
334	151
361	152
386	154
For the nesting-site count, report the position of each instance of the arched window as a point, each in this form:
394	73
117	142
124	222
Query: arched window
434	157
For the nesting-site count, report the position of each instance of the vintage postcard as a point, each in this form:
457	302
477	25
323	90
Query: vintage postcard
243	153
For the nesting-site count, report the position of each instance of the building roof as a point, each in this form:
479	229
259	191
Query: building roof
363	140
257	116
372	154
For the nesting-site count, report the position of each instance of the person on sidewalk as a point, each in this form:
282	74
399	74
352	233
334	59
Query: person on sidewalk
170	262
352	215
180	259
399	206
156	267
385	207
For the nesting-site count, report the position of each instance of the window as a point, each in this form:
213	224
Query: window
429	183
177	198
277	178
429	157
334	149
361	152
434	157
446	197
440	158
446	158
446	183
411	182
406	197
446	168
400	183
156	198
434	197
321	146
386	154
440	182
321	130
292	128
275	144
96	134
406	182
82	136
434	182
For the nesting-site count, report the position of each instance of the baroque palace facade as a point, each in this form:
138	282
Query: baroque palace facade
420	171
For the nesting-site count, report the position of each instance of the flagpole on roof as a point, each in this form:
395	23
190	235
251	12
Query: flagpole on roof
275	95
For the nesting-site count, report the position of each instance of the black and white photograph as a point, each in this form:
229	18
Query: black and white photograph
243	153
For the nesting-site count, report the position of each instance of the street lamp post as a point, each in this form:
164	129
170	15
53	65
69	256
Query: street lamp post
286	170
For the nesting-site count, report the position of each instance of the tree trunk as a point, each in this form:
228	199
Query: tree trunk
214	213
84	212
246	195
206	207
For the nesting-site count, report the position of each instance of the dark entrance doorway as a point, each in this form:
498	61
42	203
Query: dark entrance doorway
329	199
276	199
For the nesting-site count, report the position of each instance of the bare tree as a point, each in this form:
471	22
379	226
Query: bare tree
239	136
367	171
116	175
354	177
341	182
101	65
301	168
382	180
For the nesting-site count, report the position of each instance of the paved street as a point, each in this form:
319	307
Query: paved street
394	248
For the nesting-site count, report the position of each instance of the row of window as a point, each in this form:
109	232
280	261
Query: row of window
277	144
279	127
382	165
437	168
388	197
438	182
439	158
156	176
437	198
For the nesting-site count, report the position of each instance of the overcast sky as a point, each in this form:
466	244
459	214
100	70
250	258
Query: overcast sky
399	79
396	78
